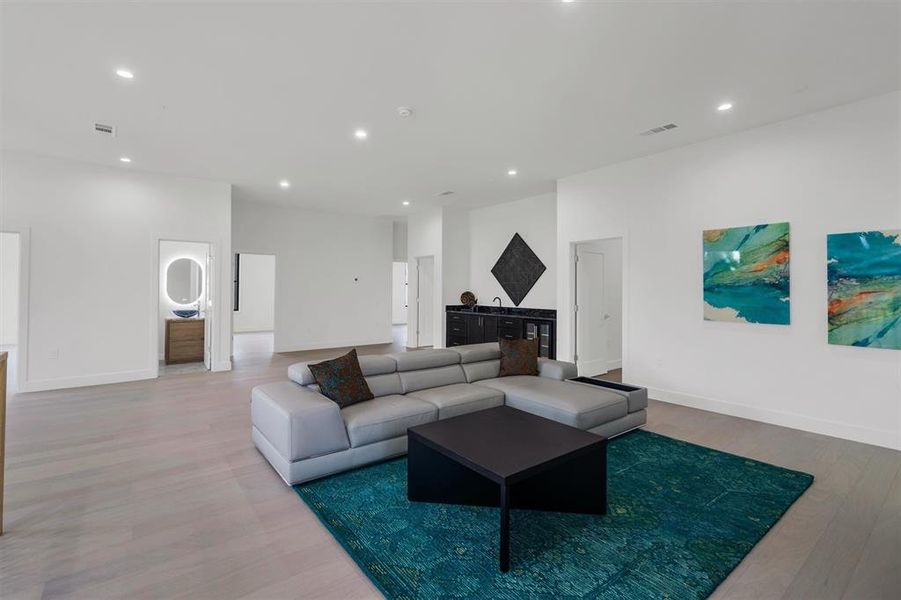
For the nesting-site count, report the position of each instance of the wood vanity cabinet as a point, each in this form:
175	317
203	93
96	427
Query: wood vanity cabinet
184	341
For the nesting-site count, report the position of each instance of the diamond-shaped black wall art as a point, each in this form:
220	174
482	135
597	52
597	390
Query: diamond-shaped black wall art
518	269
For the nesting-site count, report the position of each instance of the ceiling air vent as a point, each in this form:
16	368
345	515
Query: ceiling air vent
105	129
659	129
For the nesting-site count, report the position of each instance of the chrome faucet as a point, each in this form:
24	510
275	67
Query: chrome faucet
499	303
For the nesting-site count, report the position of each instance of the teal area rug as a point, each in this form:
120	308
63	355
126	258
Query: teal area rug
680	518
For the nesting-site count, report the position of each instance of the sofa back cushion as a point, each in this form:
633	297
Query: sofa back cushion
485	369
425	359
430	378
369	364
472	353
385	385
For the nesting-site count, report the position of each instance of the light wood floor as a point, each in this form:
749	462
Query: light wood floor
153	490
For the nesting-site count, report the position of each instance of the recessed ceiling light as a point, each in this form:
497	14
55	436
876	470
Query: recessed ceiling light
284	184
512	172
566	1
124	159
406	203
125	74
724	106
361	134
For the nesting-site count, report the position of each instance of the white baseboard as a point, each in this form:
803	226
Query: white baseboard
876	437
598	367
333	344
223	365
44	385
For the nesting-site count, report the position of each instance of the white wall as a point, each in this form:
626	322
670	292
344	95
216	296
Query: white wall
9	288
399	229
467	243
424	231
832	171
399	293
333	273
171	250
93	273
256	303
456	242
492	227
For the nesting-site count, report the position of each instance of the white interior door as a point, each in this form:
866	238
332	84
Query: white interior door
591	314
399	293
425	301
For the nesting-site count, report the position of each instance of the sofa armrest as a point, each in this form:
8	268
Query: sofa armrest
298	422
556	369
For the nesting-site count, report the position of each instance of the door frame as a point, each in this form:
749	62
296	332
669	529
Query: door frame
576	318
211	323
22	383
236	270
624	309
418	260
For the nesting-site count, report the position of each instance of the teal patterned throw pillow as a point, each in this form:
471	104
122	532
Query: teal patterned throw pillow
519	357
341	379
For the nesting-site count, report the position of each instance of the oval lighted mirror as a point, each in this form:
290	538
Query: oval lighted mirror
184	281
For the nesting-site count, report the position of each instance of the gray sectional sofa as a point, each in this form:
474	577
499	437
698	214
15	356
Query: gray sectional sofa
304	435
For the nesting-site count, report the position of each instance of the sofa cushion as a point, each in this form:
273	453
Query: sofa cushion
581	406
429	378
370	364
486	369
385	418
557	369
385	385
460	398
341	379
300	373
519	357
471	353
425	359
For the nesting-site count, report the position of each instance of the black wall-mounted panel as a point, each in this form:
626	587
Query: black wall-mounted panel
518	269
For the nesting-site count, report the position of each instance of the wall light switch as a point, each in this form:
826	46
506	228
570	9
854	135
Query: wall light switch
53	354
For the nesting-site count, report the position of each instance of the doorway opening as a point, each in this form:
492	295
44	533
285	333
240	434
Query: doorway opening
598	307
425	301
185	321
253	317
399	301
10	276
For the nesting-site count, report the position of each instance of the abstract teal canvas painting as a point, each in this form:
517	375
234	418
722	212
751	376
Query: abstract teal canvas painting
746	274
863	273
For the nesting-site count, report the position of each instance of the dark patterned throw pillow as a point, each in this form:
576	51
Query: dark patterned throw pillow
341	379
519	357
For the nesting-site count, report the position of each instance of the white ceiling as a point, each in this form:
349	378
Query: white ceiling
251	93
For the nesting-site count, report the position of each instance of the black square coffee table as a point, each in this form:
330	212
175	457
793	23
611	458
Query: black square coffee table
510	459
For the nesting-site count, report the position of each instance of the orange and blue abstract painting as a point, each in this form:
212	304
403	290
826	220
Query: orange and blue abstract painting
863	271
746	274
